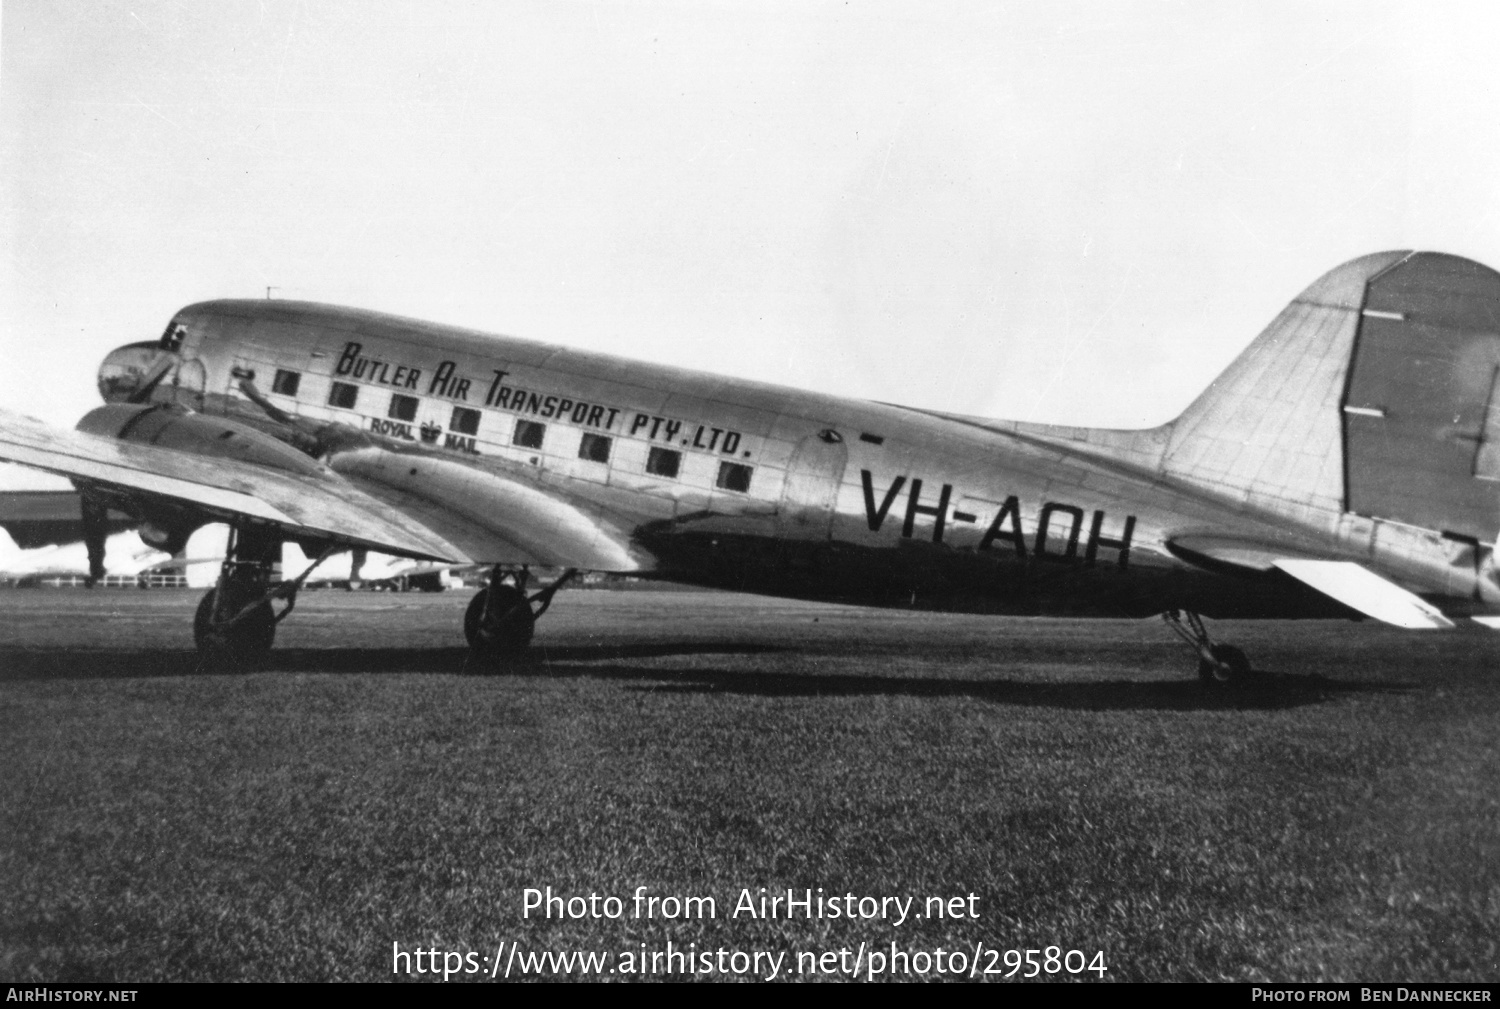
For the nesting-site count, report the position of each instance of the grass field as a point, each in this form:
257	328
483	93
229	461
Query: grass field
156	824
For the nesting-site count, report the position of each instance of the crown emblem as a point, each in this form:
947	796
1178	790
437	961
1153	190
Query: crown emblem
430	431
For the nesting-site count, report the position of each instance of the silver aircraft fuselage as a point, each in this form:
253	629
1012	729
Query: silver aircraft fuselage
525	453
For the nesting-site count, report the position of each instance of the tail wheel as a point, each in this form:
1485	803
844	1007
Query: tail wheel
501	629
1229	668
245	643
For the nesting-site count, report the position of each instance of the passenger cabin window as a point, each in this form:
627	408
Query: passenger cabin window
664	462
402	408
465	421
594	448
286	382
529	434
343	395
733	476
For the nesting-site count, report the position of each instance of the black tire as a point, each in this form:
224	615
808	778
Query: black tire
512	623
246	643
1231	668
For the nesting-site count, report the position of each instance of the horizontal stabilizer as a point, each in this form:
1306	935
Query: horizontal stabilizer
1363	590
1493	623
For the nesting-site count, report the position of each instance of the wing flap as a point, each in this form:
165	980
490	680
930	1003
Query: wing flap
323	505
1362	589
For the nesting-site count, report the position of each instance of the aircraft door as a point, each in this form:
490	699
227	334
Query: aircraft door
812	484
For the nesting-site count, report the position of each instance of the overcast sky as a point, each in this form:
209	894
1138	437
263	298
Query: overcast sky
1065	212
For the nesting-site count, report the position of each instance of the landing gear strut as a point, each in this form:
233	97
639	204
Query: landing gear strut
500	619
95	532
1218	664
235	623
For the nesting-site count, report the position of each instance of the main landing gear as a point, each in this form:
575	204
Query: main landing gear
500	619
1218	665
95	518
235	624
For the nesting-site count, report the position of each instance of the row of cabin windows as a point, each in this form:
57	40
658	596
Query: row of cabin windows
664	462
344	395
463	421
660	462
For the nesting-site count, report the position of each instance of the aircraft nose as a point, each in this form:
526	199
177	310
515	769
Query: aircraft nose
126	370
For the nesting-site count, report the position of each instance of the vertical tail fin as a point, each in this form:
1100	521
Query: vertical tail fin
1377	391
1270	426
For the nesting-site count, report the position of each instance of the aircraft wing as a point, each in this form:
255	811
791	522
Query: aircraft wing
542	525
311	505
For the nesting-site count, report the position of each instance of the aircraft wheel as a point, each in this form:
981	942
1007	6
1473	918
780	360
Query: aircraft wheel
246	643
511	623
1230	668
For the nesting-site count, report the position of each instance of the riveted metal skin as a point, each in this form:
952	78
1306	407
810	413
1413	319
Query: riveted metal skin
1362	425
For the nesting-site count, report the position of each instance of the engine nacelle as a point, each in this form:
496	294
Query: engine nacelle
198	434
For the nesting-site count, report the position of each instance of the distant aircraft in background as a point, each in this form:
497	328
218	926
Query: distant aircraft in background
362	568
125	556
1346	464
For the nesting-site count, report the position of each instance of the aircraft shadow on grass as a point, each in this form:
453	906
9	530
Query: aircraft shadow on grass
1271	691
1276	690
119	663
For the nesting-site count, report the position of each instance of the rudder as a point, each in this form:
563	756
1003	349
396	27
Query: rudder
1421	416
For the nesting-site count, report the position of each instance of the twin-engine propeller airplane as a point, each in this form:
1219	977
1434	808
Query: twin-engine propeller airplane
1346	464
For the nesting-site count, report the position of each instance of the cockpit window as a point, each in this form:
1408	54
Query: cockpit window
173	337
